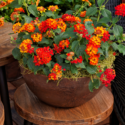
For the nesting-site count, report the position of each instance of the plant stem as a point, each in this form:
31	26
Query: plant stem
79	10
99	14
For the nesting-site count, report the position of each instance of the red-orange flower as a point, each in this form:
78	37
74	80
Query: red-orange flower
120	10
48	24
61	24
25	46
41	9
83	14
2	4
14	16
78	60
56	72
99	31
16	27
1	22
107	76
37	37
43	56
20	9
96	41
94	59
70	56
53	8
9	1
57	48
91	50
64	43
106	36
29	27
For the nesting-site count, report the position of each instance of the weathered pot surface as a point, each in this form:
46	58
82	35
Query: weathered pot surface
69	92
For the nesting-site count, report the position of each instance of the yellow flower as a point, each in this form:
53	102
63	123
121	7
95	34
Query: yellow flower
53	8
99	31
16	27
41	9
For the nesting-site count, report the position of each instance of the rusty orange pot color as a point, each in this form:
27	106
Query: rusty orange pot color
69	92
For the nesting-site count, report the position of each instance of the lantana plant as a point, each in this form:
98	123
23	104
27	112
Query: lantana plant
78	43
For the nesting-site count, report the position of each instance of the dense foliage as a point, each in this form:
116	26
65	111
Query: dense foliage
78	42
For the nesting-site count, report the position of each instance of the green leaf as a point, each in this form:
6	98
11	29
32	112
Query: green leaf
91	11
80	50
33	10
91	86
67	50
37	68
100	2
80	65
74	44
100	51
59	58
70	32
118	31
65	66
16	53
30	64
69	11
112	37
104	20
77	6
66	61
121	49
49	64
46	71
97	83
18	41
91	69
42	18
49	14
115	20
27	18
44	41
63	56
89	27
107	13
15	4
24	61
74	69
114	45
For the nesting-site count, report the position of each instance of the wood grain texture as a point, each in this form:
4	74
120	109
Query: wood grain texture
5	46
1	113
30	108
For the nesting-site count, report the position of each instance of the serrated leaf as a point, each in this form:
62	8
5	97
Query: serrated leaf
91	86
33	10
100	2
30	63
46	71
74	69
91	11
118	31
74	44
91	69
114	45
44	41
49	64
80	65
16	53
63	56
106	13
24	61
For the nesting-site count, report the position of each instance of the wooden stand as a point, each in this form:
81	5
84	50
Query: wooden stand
1	114
33	110
5	57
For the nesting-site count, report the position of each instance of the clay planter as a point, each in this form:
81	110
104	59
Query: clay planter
69	92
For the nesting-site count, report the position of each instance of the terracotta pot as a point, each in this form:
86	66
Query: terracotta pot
69	92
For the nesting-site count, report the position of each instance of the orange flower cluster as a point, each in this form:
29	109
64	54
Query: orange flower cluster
56	72
49	34
120	10
9	1
70	18
43	56
25	46
14	16
29	27
62	44
53	8
48	24
61	25
83	14
36	22
92	49
41	9
87	2
101	32
19	10
2	4
1	22
81	29
37	37
16	27
78	60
